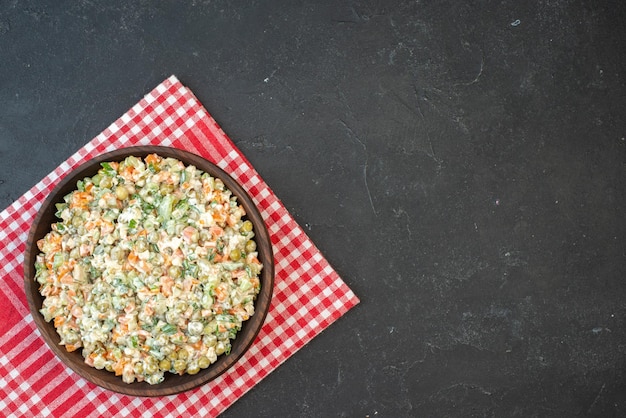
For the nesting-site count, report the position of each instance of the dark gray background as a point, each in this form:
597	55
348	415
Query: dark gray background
461	164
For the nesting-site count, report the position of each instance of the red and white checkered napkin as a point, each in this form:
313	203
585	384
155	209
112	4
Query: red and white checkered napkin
308	293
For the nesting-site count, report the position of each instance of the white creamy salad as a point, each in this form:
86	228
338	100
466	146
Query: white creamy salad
152	268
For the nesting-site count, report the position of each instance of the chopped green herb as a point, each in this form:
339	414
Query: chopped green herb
108	170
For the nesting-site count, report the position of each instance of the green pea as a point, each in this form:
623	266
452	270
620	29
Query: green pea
193	369
180	365
246	226
150	368
121	192
250	246
235	254
165	364
209	339
174	272
183	354
96	179
204	362
106	182
141	245
138	368
166	189
103	306
71	337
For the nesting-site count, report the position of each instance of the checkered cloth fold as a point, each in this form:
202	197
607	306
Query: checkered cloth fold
308	294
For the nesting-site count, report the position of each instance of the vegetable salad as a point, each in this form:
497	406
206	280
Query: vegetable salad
152	268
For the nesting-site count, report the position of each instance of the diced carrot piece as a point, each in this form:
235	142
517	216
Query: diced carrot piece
118	367
152	159
133	257
72	347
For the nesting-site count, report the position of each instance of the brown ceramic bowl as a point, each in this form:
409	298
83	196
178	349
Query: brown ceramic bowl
172	383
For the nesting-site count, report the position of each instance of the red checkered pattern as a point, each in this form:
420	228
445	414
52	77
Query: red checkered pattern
308	294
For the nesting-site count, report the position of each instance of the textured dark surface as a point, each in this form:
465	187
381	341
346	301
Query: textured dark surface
461	164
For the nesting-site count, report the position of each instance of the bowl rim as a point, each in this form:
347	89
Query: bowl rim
173	383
